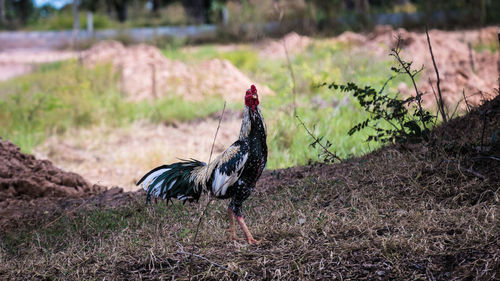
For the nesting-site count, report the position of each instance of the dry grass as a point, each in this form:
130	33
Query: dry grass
111	156
413	214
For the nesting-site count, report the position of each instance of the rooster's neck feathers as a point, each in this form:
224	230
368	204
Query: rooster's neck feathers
250	115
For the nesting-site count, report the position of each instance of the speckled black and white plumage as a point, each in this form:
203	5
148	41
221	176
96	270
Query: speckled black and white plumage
253	135
233	174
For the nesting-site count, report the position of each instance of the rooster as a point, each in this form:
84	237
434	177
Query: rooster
233	174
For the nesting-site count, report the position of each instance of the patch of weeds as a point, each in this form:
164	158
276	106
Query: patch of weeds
67	95
51	66
482	47
245	60
404	126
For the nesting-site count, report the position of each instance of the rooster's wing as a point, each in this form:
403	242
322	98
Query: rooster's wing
229	167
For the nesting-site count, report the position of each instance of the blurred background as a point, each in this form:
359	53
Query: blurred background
112	88
235	20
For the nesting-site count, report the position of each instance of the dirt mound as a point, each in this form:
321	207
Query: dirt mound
147	74
461	68
349	37
294	42
24	177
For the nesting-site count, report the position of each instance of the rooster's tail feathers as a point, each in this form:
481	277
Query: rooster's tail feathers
173	181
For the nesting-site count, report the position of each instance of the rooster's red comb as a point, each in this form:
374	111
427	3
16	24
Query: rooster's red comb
251	98
252	90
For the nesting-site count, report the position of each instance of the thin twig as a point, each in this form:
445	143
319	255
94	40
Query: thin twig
435	97
455	110
281	13
466	102
471	57
216	132
317	141
441	102
473	173
485	114
292	75
407	68
210	198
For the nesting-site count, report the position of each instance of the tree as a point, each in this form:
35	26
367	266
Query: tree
2	11
121	9
197	10
23	9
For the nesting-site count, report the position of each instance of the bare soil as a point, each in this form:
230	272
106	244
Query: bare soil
25	179
147	74
292	43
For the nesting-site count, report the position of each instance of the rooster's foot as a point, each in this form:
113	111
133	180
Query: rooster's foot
253	241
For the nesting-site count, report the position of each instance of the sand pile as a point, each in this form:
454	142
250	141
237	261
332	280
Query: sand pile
294	42
24	177
453	56
147	74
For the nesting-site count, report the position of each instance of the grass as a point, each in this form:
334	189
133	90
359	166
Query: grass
66	95
394	214
326	113
482	47
64	21
63	95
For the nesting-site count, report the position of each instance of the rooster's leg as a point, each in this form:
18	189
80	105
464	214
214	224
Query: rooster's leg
231	230
244	227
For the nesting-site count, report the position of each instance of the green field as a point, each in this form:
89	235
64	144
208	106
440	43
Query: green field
65	95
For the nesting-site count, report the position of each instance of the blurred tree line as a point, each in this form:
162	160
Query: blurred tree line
315	14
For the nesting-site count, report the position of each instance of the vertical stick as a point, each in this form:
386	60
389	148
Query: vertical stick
90	24
76	24
281	13
2	11
153	80
292	74
499	64
210	199
441	102
471	58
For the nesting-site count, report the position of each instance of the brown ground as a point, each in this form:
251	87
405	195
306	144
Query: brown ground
293	42
424	212
24	180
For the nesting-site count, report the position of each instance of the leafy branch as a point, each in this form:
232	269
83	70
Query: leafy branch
327	155
406	126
